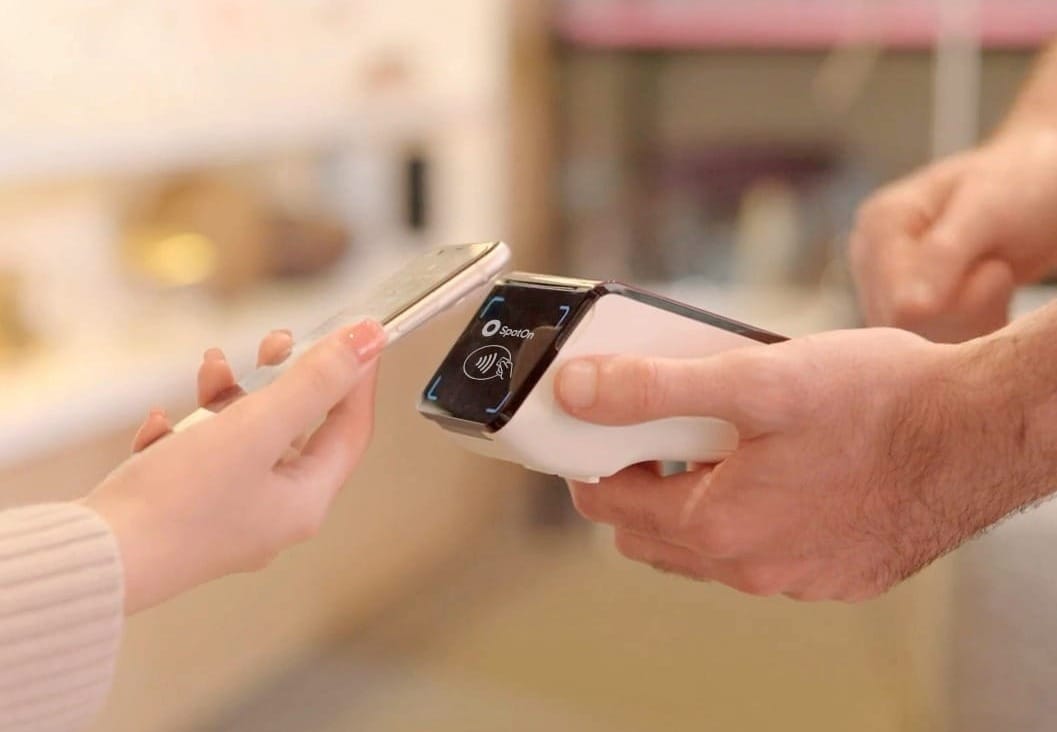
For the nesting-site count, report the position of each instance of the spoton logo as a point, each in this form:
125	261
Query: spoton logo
494	326
488	362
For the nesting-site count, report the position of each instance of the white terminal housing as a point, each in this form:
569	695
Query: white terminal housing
528	426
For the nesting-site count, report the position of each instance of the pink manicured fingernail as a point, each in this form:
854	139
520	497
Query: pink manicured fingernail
214	354
289	349
156	412
578	384
367	339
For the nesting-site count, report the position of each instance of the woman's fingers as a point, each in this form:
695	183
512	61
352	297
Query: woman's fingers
275	348
215	377
216	380
316	383
216	383
153	429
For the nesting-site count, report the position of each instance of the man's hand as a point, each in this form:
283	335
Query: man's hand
864	456
940	252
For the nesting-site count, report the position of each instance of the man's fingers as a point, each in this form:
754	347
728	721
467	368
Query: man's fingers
688	509
884	245
982	305
311	387
961	237
760	578
678	510
987	296
746	387
153	429
660	555
637	500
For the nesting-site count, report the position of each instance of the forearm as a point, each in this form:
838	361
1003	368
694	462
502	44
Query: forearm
1036	104
1016	368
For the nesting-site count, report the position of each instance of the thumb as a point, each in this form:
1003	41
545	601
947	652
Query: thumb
310	388
951	248
988	294
621	390
981	305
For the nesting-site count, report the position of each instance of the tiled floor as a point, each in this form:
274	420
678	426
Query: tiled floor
564	636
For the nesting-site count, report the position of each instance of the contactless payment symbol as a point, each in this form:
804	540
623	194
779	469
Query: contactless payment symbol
487	363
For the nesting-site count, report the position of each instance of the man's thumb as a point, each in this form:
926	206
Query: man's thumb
620	390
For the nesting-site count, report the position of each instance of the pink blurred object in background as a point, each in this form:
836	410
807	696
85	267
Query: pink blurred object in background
792	24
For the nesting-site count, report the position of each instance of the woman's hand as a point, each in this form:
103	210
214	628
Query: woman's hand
227	495
216	382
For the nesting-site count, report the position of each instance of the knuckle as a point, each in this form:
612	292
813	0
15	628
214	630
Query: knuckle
652	386
262	560
637	383
809	595
770	387
635	549
306	527
627	545
940	241
305	531
650	524
908	310
715	539
991	206
762	581
875	210
641	521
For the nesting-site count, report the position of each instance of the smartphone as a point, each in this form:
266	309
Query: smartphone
426	286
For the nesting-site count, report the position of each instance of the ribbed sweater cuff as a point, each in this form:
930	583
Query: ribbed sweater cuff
61	616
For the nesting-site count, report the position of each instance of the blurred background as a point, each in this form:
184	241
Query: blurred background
175	176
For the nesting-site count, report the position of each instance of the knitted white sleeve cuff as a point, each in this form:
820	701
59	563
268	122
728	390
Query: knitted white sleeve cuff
61	616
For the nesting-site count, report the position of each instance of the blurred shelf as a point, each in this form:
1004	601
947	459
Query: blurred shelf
47	403
790	24
162	148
